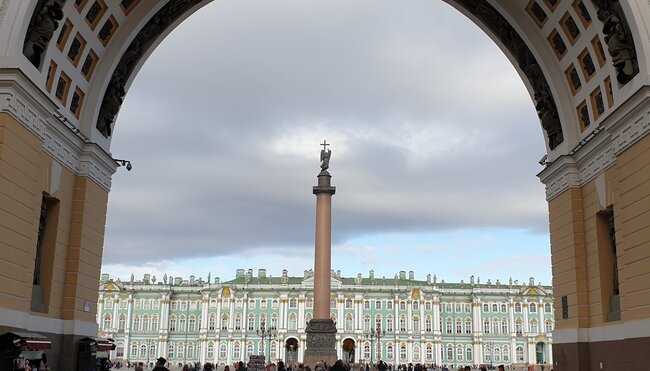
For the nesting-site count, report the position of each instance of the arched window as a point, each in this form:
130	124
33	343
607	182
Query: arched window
487	351
378	325
348	322
497	354
402	323
504	326
468	326
519	326
263	304
274	304
182	325
495	308
486	326
366	323
416	323
145	323
427	305
429	353
308	317
389	323
293	303
192	324
428	327
450	353
190	350
210	351
251	322
274	350
366	351
223	352
121	322
416	305
506	353
549	326
402	352
520	354
154	322
236	351
251	304
152	351
136	323
348	303
458	308
495	325
224	322
274	320
172	324
377	304
468	353
517	307
293	322
449	324
107	321
170	350
134	350
460	352
225	304
547	308
212	322
390	352
533	326
238	322
249	350
503	308
180	351
416	353
532	308
459	326
402	305
486	308
389	305
119	350
468	308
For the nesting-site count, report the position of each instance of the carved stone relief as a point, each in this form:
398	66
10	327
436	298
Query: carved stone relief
321	335
544	102
114	95
618	38
44	22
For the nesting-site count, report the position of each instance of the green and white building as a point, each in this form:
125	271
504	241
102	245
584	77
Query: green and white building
426	321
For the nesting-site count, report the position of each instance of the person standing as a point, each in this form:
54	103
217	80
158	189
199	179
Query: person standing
160	365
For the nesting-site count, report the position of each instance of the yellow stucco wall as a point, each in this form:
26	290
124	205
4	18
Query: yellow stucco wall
70	274
579	246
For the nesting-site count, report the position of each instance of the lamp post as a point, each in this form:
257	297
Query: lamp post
374	333
267	333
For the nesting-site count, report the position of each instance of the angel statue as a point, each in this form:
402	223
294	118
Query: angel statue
325	156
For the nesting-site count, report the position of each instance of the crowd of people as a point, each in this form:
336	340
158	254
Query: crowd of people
339	365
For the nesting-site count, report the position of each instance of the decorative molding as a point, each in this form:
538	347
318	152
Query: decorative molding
598	152
60	142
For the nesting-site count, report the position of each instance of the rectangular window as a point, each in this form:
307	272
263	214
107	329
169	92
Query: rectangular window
44	257
608	265
366	304
565	307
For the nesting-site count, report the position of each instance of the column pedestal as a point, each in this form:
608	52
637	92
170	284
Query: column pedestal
321	342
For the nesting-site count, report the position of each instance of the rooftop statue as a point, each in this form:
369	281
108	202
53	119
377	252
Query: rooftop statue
325	156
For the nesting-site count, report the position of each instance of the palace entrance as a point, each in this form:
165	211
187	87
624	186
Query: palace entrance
348	346
291	346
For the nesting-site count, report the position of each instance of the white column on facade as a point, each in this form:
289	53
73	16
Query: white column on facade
436	316
229	352
549	357
301	313
116	310
396	309
100	311
340	319
531	351
204	312
281	312
217	348
244	320
422	321
339	352
361	313
513	350
357	350
526	324
409	317
511	316
437	350
231	319
540	311
301	350
219	303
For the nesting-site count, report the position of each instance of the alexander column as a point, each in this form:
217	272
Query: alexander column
321	331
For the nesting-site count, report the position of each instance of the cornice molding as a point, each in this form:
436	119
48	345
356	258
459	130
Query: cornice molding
598	152
27	104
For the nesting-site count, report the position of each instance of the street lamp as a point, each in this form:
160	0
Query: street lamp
267	333
374	333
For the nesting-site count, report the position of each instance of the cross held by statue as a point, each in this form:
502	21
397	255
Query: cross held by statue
324	144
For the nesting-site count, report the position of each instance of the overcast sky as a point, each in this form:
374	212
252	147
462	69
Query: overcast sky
435	143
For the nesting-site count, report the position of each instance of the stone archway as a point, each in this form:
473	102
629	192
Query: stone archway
291	348
349	347
67	66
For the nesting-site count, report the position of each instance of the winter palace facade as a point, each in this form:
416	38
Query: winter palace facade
426	321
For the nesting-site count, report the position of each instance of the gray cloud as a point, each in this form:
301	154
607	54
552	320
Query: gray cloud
431	130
